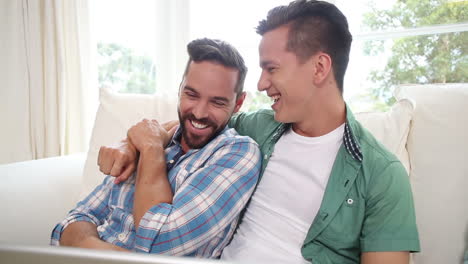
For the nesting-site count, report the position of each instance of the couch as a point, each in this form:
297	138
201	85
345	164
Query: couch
426	128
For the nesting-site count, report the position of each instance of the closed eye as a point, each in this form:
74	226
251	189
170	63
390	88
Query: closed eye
269	66
190	94
219	103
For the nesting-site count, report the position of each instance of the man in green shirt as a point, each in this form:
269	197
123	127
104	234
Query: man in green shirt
329	192
364	212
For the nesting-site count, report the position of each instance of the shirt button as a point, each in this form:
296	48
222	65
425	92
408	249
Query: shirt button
350	201
266	156
121	236
171	161
100	228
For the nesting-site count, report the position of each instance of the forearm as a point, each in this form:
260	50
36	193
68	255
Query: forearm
152	186
397	257
84	235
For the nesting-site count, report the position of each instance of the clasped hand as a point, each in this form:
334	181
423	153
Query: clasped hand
120	160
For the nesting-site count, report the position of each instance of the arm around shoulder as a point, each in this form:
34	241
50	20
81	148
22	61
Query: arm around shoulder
83	220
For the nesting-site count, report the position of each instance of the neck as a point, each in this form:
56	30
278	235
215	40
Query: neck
327	112
185	147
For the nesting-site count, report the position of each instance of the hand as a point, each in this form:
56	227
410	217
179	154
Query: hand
118	161
149	133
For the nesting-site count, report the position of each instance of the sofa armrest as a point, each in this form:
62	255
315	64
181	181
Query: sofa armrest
37	194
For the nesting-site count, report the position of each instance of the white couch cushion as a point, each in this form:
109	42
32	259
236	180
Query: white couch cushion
35	195
438	150
116	114
391	128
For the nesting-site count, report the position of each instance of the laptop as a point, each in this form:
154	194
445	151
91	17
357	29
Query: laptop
15	254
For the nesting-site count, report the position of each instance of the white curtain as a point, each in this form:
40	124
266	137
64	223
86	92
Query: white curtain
46	97
172	27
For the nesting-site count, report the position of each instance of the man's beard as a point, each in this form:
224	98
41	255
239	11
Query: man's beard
195	141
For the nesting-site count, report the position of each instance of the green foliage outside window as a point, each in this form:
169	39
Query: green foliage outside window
441	58
256	100
120	68
436	58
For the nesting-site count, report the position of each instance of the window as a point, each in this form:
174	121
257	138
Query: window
125	53
142	43
399	42
235	22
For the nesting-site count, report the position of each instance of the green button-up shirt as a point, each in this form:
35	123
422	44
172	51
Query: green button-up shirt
367	205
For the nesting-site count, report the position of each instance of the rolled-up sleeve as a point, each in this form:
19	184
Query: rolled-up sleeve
94	209
390	223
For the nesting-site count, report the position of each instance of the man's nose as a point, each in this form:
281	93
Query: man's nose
264	82
200	110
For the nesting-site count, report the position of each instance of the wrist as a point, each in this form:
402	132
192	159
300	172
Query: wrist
151	149
150	163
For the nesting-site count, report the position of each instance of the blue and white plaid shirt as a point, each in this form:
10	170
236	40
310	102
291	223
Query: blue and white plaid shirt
211	186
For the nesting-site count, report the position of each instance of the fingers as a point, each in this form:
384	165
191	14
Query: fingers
125	174
170	127
112	161
172	131
105	160
170	124
119	163
99	160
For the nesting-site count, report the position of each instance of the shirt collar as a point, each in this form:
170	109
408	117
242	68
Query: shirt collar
352	146
176	137
349	138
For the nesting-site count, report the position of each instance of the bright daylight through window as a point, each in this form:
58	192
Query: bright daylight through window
395	42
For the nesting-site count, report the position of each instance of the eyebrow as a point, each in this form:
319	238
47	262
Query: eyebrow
217	98
190	88
263	64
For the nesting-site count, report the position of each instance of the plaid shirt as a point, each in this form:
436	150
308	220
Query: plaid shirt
211	186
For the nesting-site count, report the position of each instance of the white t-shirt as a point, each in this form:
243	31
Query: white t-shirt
286	200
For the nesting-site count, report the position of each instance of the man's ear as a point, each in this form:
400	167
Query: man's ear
239	101
323	67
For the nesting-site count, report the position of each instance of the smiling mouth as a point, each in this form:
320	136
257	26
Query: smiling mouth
276	98
198	125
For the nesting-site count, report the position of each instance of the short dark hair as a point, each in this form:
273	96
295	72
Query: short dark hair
221	52
313	26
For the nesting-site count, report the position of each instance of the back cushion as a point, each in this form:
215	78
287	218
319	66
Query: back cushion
391	128
115	115
438	151
118	112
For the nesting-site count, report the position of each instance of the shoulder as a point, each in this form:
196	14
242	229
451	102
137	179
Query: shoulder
234	148
386	188
258	125
381	169
247	119
231	150
230	138
373	151
261	113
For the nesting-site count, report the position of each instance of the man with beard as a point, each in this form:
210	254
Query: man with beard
184	199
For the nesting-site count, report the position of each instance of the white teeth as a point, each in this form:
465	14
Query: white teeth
198	125
276	98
